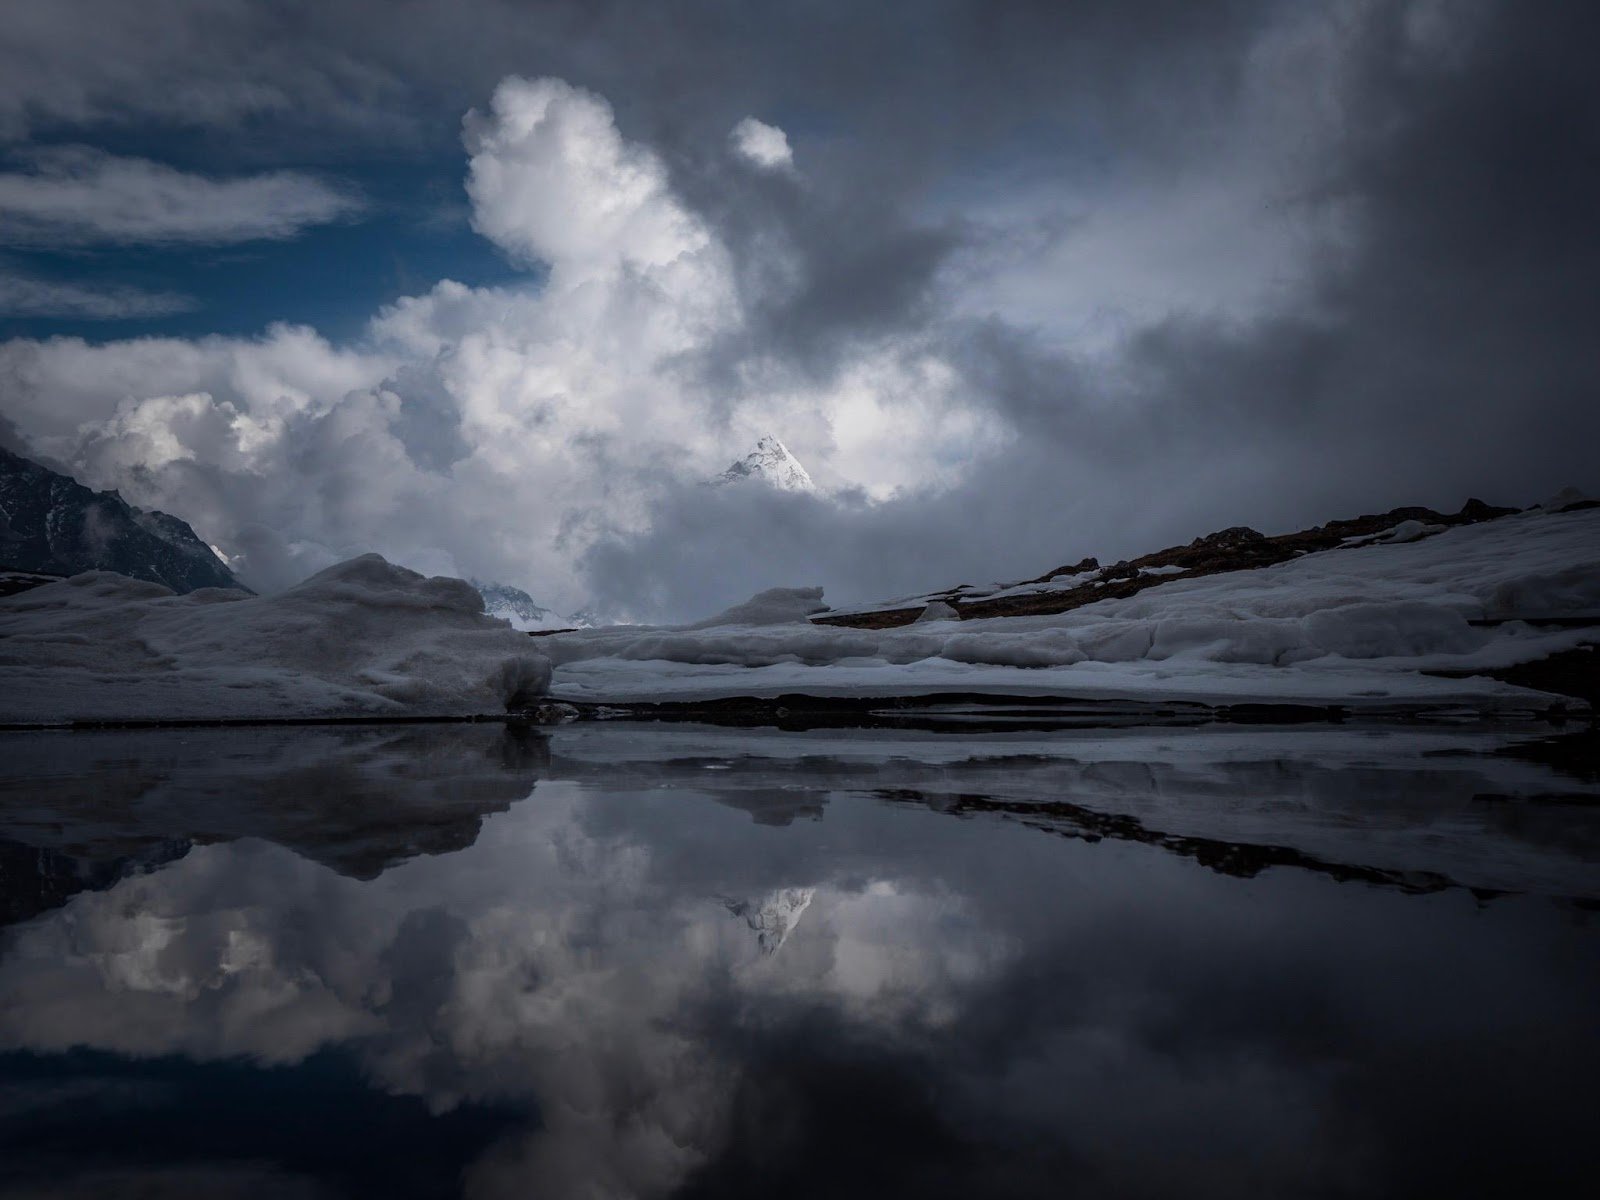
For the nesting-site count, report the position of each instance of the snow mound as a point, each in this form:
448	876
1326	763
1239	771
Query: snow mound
1567	498
1569	591
362	638
1396	623
1410	531
775	606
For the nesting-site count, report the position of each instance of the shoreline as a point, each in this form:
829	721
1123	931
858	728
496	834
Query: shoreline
971	712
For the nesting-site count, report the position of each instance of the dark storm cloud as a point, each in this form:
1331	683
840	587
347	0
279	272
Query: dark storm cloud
1453	350
888	97
1444	349
959	65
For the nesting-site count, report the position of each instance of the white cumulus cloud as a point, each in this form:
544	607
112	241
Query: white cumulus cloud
497	432
762	145
551	179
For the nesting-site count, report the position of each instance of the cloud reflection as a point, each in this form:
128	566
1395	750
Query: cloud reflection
958	1007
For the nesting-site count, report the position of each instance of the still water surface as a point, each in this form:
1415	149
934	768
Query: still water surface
630	960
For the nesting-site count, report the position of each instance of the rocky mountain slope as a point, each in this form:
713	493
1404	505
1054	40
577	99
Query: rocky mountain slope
51	524
515	605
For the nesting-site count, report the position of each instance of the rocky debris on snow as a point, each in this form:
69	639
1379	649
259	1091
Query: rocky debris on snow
1238	548
1426	624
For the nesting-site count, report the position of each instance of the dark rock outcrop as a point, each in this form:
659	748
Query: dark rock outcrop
51	524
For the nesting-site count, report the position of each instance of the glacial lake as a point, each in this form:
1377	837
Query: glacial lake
622	959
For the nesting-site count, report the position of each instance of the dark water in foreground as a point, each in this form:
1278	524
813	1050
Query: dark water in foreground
613	960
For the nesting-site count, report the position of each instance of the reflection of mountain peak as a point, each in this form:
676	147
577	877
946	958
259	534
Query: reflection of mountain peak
774	917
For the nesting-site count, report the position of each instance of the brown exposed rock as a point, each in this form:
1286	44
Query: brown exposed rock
1238	548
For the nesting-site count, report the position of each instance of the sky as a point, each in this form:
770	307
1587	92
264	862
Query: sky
492	288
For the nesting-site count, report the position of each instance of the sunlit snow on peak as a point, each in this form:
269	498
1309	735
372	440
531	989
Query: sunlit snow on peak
772	464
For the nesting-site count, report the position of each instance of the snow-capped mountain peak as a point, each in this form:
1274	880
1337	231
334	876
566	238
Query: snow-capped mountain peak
772	464
515	605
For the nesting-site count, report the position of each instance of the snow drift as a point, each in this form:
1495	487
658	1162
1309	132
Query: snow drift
1374	625
362	638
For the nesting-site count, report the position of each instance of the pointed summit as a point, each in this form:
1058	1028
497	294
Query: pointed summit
772	464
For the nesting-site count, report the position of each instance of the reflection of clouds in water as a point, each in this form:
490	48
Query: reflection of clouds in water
1231	1122
548	963
895	954
962	1003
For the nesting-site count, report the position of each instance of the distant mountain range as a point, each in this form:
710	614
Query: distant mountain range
515	605
50	524
770	463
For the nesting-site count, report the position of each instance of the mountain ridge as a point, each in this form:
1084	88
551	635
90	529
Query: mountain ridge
525	614
1234	549
51	524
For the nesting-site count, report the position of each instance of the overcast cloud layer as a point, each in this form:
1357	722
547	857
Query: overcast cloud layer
1016	283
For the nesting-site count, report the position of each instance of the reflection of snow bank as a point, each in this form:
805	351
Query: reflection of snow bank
363	638
574	973
1355	626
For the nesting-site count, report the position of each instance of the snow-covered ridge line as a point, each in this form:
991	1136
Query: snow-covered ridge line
1235	549
1379	626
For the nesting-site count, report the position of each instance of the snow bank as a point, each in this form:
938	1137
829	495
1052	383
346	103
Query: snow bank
1567	497
362	638
1355	626
1405	531
775	606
